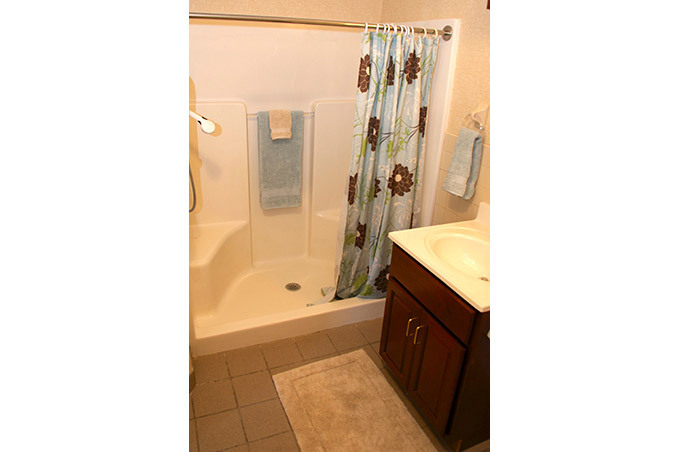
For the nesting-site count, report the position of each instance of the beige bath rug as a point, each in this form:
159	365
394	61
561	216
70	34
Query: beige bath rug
345	404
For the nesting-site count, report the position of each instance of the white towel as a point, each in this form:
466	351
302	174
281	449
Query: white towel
280	124
464	166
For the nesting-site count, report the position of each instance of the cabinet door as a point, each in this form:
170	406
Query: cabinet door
437	363
402	316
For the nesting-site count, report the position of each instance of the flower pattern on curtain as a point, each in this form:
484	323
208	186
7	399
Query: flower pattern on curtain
384	186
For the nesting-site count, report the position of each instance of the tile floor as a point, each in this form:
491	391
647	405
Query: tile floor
235	407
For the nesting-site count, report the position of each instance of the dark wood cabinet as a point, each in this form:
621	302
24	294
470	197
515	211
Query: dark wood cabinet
436	367
436	346
399	325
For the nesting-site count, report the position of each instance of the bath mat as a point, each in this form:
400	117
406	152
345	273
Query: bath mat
345	404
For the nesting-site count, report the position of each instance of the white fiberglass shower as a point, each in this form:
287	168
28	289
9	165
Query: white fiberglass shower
253	272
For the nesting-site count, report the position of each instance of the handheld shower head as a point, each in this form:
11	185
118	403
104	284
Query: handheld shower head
207	125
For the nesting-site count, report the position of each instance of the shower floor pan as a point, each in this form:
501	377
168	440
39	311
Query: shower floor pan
258	307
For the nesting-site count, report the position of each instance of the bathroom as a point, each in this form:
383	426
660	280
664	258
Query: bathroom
101	260
263	280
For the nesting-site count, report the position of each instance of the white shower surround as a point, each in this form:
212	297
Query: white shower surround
240	255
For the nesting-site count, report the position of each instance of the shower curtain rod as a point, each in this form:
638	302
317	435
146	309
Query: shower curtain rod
446	33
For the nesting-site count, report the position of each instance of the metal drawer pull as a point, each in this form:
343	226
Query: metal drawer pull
415	337
408	325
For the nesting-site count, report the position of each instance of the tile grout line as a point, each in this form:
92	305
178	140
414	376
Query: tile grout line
243	427
198	445
224	358
233	392
284	409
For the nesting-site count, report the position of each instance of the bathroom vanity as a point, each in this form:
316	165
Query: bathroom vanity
434	341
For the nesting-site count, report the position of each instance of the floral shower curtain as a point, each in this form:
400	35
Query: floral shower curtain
384	186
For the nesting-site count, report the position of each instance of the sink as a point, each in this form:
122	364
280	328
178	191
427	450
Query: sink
465	249
456	253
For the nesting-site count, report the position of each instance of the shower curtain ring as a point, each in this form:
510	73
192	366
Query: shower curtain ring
365	27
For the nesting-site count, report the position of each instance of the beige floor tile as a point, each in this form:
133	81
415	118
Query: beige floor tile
278	370
279	353
253	388
374	356
245	360
193	441
211	368
213	397
220	431
285	442
346	337
264	419
376	347
315	345
241	448
371	329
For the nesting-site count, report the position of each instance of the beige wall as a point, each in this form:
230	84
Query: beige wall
471	84
471	88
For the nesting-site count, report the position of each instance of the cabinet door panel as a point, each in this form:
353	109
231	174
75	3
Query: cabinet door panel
396	347
437	364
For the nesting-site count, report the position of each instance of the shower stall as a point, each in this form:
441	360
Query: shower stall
259	275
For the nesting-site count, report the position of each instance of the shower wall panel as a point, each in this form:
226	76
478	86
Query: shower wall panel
269	66
280	66
279	234
333	124
219	163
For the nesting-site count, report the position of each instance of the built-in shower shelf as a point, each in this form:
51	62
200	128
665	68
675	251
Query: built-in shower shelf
206	239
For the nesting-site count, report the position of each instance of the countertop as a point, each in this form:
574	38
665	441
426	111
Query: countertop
472	289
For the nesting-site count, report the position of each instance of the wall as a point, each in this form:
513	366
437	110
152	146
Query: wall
471	88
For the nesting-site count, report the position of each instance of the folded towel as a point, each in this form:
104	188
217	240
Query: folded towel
464	167
280	124
280	164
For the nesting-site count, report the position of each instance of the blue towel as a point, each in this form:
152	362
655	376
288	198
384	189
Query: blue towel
280	164
464	167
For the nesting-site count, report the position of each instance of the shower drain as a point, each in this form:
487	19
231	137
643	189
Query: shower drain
293	286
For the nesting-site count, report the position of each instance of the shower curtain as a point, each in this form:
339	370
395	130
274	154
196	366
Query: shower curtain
383	190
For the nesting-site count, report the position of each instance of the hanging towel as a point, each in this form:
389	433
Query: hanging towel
464	167
280	124
280	164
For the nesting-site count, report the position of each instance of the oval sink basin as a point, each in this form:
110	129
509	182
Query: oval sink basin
466	250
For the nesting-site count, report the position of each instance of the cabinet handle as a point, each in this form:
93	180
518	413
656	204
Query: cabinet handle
415	336
408	325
